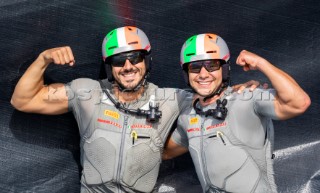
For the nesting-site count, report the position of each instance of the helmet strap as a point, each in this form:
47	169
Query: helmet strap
217	92
108	69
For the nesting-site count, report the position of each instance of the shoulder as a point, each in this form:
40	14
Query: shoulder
186	113
84	87
83	83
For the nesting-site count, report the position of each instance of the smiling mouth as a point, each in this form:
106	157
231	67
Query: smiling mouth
204	83
131	74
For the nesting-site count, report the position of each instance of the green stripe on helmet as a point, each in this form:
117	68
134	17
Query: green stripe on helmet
112	42
190	49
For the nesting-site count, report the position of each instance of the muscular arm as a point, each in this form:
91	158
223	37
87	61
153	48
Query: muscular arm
172	150
291	100
31	95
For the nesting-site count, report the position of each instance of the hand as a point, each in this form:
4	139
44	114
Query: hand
60	55
252	84
248	60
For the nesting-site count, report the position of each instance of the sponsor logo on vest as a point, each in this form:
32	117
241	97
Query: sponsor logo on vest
194	120
208	128
141	126
193	129
216	126
112	114
109	122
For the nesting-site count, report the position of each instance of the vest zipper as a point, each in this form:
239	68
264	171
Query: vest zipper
205	171
123	134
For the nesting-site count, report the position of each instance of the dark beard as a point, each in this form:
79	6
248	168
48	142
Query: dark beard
123	88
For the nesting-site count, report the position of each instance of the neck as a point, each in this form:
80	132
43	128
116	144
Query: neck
210	100
125	97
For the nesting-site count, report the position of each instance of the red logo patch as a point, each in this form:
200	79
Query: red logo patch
109	122
193	129
140	126
216	126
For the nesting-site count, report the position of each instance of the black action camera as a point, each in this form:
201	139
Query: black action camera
219	113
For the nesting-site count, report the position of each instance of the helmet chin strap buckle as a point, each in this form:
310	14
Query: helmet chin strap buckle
153	114
220	112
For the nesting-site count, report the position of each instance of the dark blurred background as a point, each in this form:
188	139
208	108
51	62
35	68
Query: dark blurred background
41	153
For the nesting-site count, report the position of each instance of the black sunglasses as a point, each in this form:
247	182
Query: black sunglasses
120	59
209	65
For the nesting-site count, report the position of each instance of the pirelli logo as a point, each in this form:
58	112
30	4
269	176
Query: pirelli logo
194	120
112	114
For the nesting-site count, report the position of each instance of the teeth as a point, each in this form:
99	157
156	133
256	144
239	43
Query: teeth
128	75
204	83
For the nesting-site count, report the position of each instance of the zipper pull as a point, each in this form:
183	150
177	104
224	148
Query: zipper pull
220	134
134	136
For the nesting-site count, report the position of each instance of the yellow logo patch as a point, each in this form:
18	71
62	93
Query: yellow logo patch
194	120
112	114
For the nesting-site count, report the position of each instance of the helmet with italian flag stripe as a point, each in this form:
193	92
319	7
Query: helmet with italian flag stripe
124	39
205	47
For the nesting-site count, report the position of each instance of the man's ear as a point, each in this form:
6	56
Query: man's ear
148	62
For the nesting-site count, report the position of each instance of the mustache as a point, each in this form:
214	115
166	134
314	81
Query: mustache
127	71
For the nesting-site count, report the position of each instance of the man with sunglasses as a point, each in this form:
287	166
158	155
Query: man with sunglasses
230	136
123	120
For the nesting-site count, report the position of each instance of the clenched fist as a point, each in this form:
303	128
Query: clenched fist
249	60
60	55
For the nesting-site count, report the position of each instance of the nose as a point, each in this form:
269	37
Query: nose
127	64
203	73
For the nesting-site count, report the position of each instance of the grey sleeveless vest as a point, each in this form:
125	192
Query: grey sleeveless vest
122	152
225	159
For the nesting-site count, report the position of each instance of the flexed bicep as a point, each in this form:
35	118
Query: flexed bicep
51	99
31	95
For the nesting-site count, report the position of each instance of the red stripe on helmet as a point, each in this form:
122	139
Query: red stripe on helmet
226	56
147	47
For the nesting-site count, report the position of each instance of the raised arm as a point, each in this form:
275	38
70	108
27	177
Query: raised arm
31	95
291	100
